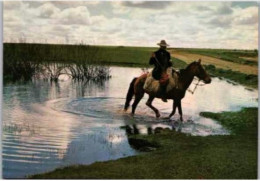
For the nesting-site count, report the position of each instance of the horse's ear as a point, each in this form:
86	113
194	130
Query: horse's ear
199	61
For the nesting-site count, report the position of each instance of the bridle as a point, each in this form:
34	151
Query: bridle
196	85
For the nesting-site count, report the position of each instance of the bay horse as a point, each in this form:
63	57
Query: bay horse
185	78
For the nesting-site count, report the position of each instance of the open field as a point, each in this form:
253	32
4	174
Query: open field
246	57
180	156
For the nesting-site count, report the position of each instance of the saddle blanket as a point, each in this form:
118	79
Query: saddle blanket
152	85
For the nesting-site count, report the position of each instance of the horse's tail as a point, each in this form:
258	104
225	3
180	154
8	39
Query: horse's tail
130	94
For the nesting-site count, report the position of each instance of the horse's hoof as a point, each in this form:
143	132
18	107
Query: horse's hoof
190	121
158	115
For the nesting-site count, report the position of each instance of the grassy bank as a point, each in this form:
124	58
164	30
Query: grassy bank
180	156
243	122
249	80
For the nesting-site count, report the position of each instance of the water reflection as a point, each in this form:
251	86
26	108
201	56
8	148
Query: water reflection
135	130
149	129
49	125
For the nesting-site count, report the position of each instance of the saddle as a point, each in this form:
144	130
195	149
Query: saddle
164	79
170	78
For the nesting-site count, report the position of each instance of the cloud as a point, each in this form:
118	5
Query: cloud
244	4
247	16
63	4
47	10
222	22
137	23
97	20
70	16
203	8
60	28
112	26
147	4
224	9
9	5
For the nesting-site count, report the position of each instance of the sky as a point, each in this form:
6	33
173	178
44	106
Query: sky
232	25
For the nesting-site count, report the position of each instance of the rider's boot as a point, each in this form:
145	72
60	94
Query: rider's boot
164	99
164	93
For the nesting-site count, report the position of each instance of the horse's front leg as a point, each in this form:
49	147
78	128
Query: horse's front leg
149	104
173	109
180	110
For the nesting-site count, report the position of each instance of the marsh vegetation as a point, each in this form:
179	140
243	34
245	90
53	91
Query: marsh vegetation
25	62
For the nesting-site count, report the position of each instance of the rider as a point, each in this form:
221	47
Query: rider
161	59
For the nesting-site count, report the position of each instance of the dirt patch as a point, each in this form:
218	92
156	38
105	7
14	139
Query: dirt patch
219	63
250	58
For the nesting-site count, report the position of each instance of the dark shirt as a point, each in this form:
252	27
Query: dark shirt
161	64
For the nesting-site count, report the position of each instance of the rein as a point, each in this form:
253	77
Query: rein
158	62
196	85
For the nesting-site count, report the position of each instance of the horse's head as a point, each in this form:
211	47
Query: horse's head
200	72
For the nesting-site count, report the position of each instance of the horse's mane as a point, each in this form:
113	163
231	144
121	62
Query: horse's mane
188	66
183	71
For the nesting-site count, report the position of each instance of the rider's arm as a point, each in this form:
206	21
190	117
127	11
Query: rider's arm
169	60
152	59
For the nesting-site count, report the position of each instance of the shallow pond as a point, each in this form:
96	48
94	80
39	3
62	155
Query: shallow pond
49	125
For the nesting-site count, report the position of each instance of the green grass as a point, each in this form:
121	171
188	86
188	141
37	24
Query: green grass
178	64
73	53
242	122
180	156
228	55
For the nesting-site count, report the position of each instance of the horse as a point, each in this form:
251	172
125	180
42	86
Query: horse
185	77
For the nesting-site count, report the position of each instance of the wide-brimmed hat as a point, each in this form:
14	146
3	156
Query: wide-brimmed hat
163	43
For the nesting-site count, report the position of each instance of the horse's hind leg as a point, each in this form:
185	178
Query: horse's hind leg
180	110
173	109
149	104
139	92
138	97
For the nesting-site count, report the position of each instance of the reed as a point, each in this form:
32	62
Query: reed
24	62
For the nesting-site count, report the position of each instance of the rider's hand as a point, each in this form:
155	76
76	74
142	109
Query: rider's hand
153	55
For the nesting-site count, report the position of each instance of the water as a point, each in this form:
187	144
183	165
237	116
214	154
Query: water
46	126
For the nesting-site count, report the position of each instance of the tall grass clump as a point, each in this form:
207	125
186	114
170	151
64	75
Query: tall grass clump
24	62
18	64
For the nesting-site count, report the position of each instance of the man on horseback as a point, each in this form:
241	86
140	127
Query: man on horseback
161	59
